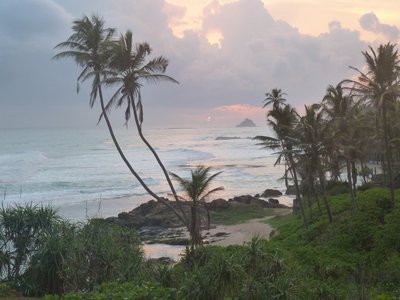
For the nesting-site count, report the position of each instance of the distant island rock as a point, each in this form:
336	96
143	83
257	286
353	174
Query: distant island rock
247	123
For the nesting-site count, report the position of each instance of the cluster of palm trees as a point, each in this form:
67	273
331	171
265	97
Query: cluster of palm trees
124	65
356	122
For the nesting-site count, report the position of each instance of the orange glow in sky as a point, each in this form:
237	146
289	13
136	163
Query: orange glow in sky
215	37
308	16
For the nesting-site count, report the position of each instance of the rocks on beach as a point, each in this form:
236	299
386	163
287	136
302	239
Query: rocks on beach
154	214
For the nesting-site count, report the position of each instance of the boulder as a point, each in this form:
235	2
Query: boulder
130	219
271	193
248	199
273	201
291	190
218	204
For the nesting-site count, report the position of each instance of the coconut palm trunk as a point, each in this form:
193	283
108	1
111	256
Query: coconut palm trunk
296	184
322	181
128	164
389	161
160	163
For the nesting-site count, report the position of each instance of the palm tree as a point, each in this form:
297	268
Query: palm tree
283	120
128	69
311	136
91	47
379	87
275	97
342	128
197	190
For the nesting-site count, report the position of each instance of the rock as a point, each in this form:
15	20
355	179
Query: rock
218	204
257	195
291	190
273	201
163	260
219	234
130	219
147	207
246	123
271	193
248	199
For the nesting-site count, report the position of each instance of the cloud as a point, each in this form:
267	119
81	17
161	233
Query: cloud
257	53
370	22
242	109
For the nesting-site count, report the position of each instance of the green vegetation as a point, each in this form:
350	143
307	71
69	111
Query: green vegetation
236	214
355	123
346	246
356	256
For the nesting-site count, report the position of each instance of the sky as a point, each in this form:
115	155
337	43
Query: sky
225	54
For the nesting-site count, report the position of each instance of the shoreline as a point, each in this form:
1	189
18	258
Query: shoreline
218	235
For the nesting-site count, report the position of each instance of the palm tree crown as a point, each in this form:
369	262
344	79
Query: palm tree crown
88	47
128	68
275	97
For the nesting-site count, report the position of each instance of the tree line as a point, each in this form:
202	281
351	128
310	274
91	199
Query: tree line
355	123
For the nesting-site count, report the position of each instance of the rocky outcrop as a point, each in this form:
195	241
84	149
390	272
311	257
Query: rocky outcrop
291	190
250	200
218	204
152	218
271	193
246	123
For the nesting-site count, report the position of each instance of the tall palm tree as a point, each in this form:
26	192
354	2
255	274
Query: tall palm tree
342	128
128	68
90	46
283	120
379	87
197	190
311	136
275	97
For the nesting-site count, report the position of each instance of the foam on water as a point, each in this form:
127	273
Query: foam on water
70	168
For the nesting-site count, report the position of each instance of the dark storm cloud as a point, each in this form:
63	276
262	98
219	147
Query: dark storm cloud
370	22
258	53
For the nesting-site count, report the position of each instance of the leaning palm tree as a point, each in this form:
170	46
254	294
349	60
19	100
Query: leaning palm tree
379	87
91	47
275	97
197	190
128	68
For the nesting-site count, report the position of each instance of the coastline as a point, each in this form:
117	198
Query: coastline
218	235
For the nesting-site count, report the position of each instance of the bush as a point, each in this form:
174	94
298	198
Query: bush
72	257
127	290
21	229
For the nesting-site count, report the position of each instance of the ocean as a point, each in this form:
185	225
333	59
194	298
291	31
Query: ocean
81	173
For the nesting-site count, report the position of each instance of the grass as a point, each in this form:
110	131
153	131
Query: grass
240	213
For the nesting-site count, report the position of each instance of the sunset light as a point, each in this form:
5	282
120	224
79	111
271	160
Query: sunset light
200	149
215	37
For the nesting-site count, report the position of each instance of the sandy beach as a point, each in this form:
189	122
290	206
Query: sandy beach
239	234
219	235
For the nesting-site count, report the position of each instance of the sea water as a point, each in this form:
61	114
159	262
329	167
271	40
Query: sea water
81	173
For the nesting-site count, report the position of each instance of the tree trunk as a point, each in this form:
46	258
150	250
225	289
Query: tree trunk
355	175
142	137
324	196
195	227
350	183
296	184
388	156
138	178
